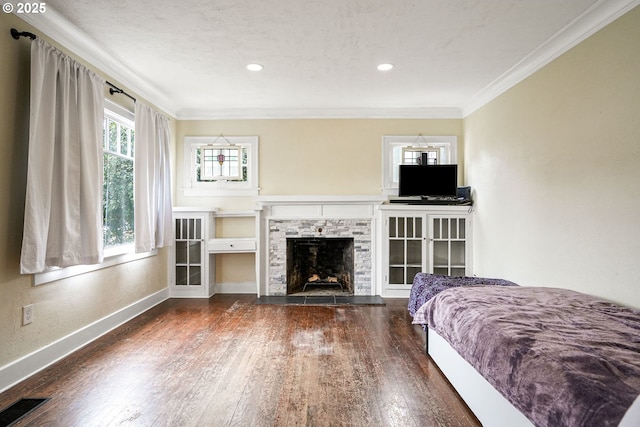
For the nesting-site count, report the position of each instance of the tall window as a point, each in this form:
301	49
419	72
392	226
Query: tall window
117	191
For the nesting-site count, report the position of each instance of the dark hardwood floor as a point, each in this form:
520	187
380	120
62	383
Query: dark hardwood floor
228	362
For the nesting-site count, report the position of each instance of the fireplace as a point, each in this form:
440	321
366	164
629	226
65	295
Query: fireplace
320	262
280	230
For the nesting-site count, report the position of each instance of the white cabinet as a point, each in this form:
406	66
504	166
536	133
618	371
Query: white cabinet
415	238
191	275
192	270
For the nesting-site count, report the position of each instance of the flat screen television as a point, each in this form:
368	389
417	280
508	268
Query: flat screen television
428	181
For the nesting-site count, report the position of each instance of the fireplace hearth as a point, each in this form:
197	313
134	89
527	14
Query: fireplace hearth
320	263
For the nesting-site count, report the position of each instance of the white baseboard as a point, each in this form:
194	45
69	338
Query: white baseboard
30	364
237	288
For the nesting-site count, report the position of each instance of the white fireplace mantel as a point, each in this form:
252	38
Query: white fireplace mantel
318	216
320	206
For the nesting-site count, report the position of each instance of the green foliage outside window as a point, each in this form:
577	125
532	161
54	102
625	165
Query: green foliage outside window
117	191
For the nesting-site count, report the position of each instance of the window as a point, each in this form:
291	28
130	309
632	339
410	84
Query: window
117	189
117	197
221	166
221	163
414	155
397	150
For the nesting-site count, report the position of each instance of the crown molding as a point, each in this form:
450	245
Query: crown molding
75	40
588	23
321	113
64	33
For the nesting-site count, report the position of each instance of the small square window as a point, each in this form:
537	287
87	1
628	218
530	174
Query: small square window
407	149
221	168
221	163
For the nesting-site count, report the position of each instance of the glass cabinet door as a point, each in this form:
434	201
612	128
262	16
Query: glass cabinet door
449	242
189	247
406	248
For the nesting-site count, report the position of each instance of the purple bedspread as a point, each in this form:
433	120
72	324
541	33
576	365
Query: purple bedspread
426	286
561	357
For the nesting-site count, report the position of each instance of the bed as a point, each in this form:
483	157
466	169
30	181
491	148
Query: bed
426	286
536	356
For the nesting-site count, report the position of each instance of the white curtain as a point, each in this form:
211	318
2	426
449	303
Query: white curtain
152	194
63	208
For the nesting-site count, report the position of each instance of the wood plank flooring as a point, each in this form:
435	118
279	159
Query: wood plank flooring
228	362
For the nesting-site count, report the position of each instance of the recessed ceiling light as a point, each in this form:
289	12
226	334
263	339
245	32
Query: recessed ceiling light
254	67
385	67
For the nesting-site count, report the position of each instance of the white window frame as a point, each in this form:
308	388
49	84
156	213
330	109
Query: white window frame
220	188
117	113
447	144
113	256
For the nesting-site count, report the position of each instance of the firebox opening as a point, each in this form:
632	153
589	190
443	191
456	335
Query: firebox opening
324	262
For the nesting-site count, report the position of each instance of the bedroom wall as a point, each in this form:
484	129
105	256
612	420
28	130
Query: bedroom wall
555	165
312	156
305	157
66	306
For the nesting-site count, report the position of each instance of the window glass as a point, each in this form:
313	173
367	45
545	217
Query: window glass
117	190
221	163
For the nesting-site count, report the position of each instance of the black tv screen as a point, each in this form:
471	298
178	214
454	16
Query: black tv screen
428	180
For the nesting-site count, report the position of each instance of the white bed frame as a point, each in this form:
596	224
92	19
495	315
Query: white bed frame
487	403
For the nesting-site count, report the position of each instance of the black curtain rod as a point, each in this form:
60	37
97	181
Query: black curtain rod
115	89
17	34
112	90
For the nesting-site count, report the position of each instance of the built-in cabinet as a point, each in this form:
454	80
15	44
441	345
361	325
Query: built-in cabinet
422	238
196	244
191	275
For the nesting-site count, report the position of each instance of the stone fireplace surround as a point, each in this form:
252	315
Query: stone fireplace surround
317	217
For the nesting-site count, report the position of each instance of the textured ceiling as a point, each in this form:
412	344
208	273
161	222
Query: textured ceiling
319	56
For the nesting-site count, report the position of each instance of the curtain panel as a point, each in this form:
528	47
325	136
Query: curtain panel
152	178
63	207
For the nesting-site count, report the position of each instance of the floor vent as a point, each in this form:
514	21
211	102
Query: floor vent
19	409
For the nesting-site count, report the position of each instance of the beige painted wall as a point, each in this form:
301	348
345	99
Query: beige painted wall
303	157
62	307
555	165
312	156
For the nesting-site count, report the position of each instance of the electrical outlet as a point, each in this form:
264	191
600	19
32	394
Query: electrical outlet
27	314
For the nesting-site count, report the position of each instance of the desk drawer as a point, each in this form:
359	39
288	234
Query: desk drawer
232	245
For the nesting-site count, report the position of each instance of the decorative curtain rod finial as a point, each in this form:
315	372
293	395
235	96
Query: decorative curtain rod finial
17	34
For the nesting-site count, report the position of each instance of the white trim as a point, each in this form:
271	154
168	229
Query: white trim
588	23
318	113
19	370
320	199
76	270
60	29
119	112
57	27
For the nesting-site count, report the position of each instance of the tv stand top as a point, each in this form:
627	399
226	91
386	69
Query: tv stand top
431	200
